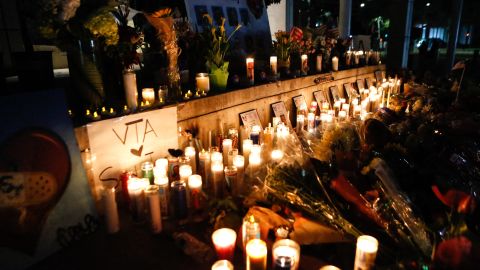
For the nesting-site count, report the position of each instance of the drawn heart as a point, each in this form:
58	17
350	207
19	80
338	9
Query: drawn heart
32	150
136	152
175	152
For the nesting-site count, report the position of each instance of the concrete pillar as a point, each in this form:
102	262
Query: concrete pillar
401	13
454	27
345	18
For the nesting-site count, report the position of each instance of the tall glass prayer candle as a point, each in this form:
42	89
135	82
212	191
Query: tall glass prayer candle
153	199
233	135
224	241
273	65
366	253
335	63
216	157
185	171
204	167
218	179
148	94
231	177
179	200
250	70
231	154
162	163
239	163
343	101
255	134
313	107
246	148
162	183
226	146
222	265
311	122
192	154
254	162
337	106
286	254
147	171
137	199
110	209
256	149
268	135
256	255
130	87
318	63
277	156
304	66
346	108
250	230
173	169
203	82
300	122
124	177
195	188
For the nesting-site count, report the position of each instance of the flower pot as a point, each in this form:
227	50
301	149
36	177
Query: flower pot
284	67
219	77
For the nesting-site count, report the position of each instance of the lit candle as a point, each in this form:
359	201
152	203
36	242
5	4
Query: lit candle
342	116
224	242
148	95
218	179
203	82
153	199
161	95
277	155
255	134
329	267
367	247
250	230
231	177
162	163
185	171
254	162
216	157
239	163
346	108
311	122
147	171
110	209
300	122
273	65
173	168
231	154
195	187
179	200
256	255
286	254
130	87
137	199
335	63
325	106
162	182
192	154
246	148
250	70
222	265
304	66
204	167
319	63
226	147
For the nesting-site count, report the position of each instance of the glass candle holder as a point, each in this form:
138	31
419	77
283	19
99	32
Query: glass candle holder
204	167
153	199
230	177
162	183
277	155
239	163
366	252
178	190
173	169
224	241
203	82
233	135
218	179
195	188
222	265
256	255
162	94
250	70
191	153
250	229
273	65
147	171
110	209
231	154
255	134
148	94
285	254
226	147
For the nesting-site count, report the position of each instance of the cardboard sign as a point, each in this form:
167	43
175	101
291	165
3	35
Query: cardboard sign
335	94
379	76
280	110
350	91
250	119
299	102
124	143
360	84
320	97
45	198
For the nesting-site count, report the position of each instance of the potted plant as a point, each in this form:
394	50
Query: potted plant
217	42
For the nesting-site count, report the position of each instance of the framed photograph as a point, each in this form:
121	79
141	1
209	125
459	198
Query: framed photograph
199	12
217	12
360	84
299	102
370	82
350	91
320	97
334	93
244	16
280	110
250	119
232	16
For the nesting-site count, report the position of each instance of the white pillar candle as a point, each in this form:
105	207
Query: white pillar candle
239	162
110	210
203	82
218	179
148	94
226	147
273	65
192	154
195	187
366	252
130	87
222	265
153	199
304	66
335	63
256	255
277	155
162	183
286	254
319	63
250	70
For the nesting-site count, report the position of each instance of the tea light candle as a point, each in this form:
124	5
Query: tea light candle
286	254
222	265
162	183
366	253
255	134
256	255
204	166
153	198
110	209
195	187
319	63
277	155
239	163
250	230
148	94
218	179
224	242
192	154
226	147
304	61
203	82
335	63
250	70
273	65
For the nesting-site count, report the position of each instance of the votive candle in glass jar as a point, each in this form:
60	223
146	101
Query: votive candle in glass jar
203	82
277	155
255	134
110	209
250	229
304	66
233	135
335	63
231	154
239	163
273	66
162	183
250	70
173	168
179	200
286	254
246	148
153	199
148	94
204	167
192	154
226	147
224	241
222	265
366	252
256	255
147	171
218	179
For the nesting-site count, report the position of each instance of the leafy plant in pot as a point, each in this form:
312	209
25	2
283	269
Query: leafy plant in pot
217	42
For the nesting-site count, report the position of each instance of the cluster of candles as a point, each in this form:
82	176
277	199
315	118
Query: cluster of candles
361	56
285	253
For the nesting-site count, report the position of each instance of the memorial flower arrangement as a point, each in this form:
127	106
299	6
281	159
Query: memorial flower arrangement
283	45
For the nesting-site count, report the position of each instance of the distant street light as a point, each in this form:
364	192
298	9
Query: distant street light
428	4
362	5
